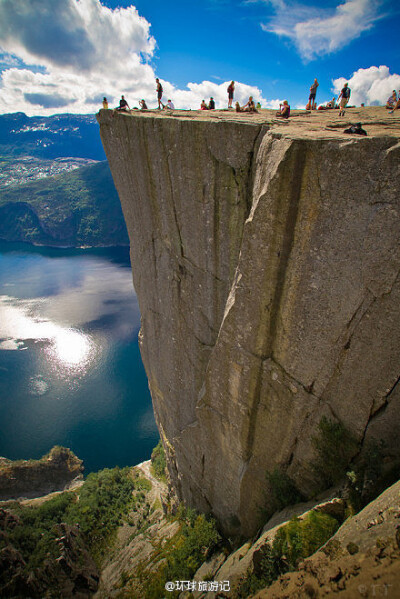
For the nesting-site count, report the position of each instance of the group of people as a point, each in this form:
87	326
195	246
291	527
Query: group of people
250	106
124	106
209	106
393	102
343	99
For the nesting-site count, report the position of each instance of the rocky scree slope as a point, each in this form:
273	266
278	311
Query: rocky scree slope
266	263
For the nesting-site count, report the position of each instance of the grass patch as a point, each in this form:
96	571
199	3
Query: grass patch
104	499
301	538
181	555
293	542
34	536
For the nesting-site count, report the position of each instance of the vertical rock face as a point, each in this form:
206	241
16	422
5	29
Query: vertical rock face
267	271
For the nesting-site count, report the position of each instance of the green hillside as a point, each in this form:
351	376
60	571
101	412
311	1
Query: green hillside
80	208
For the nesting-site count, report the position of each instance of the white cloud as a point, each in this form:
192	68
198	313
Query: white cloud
370	86
82	35
196	92
65	55
81	49
317	31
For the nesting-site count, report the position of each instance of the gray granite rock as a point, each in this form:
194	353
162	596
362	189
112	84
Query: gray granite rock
266	262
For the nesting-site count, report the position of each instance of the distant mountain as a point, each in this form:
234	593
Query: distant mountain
55	136
52	189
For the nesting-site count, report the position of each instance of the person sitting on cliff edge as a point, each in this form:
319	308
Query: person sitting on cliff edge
143	105
203	105
250	106
328	105
123	104
284	110
397	106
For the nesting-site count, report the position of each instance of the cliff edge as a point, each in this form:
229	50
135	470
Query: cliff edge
56	471
266	262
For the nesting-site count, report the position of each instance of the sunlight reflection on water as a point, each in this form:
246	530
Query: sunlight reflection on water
66	349
72	349
70	369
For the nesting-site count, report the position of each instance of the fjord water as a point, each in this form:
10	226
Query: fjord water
70	367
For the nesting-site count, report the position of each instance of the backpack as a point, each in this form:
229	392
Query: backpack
346	92
355	130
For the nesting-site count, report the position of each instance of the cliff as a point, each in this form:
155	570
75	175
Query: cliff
266	263
55	471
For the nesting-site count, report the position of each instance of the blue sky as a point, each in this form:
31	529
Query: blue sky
80	50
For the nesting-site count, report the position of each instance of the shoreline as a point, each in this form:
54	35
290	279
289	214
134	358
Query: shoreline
64	247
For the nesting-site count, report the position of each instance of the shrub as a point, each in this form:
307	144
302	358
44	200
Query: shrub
270	567
283	490
334	446
188	550
295	541
35	535
158	461
366	481
104	498
142	484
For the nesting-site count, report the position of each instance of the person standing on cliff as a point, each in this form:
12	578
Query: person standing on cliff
230	90
313	95
159	94
344	97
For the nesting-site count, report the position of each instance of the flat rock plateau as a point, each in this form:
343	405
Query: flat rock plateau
266	260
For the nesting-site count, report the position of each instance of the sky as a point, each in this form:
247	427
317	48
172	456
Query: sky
63	56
